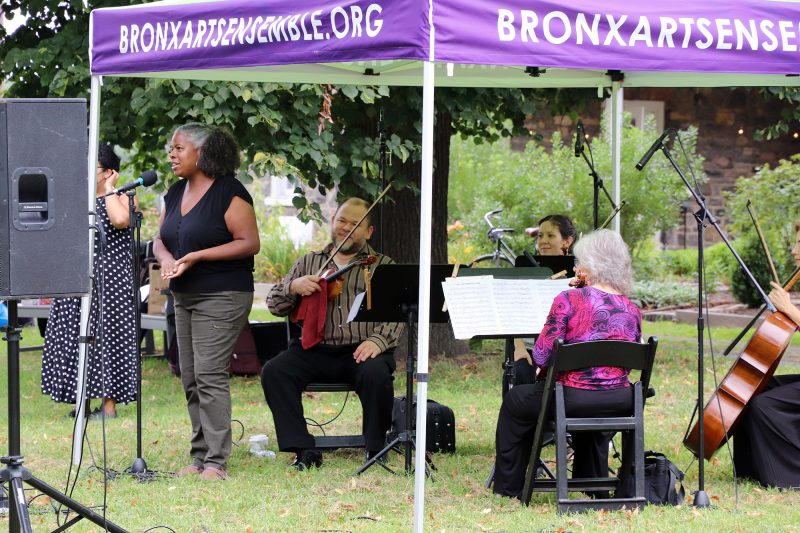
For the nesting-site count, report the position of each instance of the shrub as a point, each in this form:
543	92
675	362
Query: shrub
664	265
751	252
774	193
652	294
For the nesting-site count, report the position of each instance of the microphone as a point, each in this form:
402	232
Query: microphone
656	145
579	133
147	178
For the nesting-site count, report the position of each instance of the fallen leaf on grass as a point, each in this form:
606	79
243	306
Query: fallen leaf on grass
248	529
284	513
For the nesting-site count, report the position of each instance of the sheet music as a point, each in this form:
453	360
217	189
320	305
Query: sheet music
467	300
356	306
482	305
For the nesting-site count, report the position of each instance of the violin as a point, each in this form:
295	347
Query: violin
334	281
579	281
334	277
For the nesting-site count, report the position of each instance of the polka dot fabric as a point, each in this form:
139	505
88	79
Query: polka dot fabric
111	369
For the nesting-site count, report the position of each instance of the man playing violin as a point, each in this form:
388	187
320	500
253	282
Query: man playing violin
361	353
766	444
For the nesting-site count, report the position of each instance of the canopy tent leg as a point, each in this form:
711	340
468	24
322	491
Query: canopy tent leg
617	101
423	317
83	344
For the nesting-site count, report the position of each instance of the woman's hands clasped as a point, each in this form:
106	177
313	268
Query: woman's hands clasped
171	268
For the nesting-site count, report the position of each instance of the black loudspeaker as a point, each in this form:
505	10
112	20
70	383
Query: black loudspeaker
44	223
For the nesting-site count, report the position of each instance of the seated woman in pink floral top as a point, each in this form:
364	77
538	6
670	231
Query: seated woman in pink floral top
598	311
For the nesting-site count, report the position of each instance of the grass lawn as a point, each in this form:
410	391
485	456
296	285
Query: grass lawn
263	495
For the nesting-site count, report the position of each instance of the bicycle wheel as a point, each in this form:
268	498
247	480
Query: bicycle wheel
491	261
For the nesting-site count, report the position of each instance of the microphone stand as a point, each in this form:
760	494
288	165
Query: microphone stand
139	466
580	150
703	216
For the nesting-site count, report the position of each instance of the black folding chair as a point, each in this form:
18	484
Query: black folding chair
630	421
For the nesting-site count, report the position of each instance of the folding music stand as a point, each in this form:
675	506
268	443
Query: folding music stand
556	263
523	271
396	299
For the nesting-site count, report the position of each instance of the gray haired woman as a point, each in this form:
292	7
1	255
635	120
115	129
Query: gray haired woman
600	310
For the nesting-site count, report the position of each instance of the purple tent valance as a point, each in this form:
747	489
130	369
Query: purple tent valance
751	36
228	34
680	36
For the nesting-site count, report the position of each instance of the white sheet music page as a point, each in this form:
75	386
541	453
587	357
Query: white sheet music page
470	302
482	305
523	304
356	306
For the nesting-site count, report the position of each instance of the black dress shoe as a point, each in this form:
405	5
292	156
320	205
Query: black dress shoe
306	459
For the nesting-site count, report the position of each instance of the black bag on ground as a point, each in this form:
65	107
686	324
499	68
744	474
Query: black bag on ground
441	425
662	480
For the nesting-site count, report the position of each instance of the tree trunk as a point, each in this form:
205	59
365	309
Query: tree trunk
401	223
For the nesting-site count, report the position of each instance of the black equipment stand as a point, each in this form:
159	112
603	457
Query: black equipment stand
139	466
14	473
580	150
542	267
702	216
396	287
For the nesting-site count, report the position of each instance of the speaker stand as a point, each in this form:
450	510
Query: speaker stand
14	473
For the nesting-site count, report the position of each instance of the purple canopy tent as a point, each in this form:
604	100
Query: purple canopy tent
480	43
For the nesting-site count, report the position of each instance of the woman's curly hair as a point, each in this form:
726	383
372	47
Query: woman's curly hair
219	153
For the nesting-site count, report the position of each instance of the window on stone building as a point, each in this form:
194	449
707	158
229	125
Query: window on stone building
639	109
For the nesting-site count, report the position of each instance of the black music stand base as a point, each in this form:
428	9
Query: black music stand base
14	473
405	439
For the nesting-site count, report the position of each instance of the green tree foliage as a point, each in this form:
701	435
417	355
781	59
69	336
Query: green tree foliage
773	193
319	136
531	184
790	115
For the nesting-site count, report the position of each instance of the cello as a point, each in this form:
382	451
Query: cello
746	378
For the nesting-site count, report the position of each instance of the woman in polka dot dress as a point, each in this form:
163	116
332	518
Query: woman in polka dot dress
111	372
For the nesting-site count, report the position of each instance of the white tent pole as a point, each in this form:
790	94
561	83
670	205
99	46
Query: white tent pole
83	348
617	100
423	319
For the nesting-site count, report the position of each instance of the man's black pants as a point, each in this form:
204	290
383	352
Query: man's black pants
285	376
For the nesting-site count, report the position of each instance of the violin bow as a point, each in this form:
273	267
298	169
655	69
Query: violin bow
350	233
612	215
752	210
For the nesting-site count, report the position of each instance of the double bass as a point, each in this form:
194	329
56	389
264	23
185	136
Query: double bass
746	378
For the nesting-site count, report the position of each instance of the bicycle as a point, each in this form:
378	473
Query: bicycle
503	255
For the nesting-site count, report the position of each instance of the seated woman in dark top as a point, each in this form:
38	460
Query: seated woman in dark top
206	243
600	310
556	236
